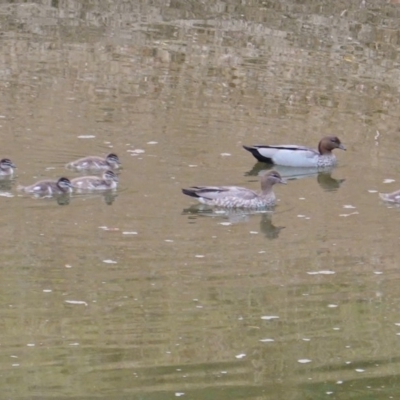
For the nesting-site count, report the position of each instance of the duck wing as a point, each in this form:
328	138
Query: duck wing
217	192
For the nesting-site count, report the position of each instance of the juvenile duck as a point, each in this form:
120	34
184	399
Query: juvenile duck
6	167
95	163
393	197
238	197
48	187
299	156
106	182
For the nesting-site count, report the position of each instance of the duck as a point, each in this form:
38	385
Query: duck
48	187
299	156
393	197
111	161
107	181
6	167
238	197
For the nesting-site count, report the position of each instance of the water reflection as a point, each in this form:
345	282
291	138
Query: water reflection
236	216
324	176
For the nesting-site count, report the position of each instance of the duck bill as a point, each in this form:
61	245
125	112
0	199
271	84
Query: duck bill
283	181
341	146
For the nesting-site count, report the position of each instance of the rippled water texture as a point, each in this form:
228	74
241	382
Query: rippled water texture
142	293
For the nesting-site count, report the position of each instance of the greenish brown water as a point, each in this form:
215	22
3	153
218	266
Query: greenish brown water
145	295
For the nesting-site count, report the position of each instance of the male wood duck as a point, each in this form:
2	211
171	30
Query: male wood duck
299	156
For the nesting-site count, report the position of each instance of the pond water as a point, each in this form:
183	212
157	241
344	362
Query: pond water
142	294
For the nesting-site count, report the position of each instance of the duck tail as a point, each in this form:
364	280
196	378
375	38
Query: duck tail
190	192
257	155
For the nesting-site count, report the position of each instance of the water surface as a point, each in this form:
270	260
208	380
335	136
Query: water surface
144	294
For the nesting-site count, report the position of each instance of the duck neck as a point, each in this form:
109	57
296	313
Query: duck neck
266	186
323	150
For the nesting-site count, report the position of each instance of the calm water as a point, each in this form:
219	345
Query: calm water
145	295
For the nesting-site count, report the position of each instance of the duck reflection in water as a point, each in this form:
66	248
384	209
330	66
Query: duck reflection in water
323	175
235	216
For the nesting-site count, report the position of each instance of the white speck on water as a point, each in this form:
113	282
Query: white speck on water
241	355
68	266
397	323
86	136
224	372
301	216
306	339
269	317
225	154
267	340
109	262
240	318
360	370
49	168
199	256
195	299
348	362
47	290
199	306
2	116
179	394
332	305
339	382
398	333
304	361
129	233
261	252
336	329
329	392
372	191
13	356
378	272
79	302
178	369
302	198
348	215
6	194
192	165
348	206
136	151
74	344
31	344
389	180
169	240
253	232
225	223
152	142
15	365
321	272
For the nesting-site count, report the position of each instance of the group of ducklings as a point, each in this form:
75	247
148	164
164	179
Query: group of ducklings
50	187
